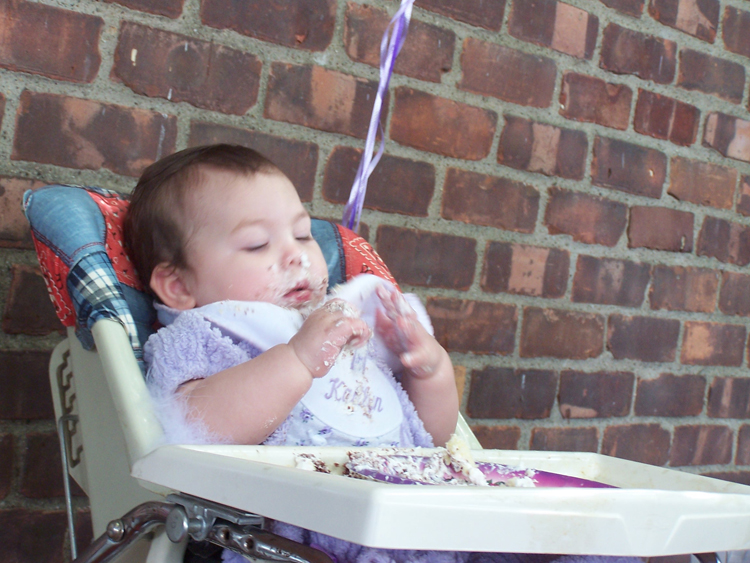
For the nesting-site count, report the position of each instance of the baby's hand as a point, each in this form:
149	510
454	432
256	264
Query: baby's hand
398	326
325	332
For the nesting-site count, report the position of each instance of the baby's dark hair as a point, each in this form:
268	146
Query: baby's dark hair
155	223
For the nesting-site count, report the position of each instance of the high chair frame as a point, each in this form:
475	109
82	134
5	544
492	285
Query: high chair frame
108	387
113	446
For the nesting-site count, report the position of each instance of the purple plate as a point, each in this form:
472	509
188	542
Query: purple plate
496	475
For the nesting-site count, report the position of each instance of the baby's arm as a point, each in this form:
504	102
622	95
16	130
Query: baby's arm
428	372
247	402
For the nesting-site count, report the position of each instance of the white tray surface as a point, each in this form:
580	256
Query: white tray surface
656	511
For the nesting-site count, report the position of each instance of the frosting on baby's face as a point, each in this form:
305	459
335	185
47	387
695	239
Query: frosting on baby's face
250	240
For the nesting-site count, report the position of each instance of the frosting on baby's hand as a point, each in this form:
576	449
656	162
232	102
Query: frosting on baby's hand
397	324
325	333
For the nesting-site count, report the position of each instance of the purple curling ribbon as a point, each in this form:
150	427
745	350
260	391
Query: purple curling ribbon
390	45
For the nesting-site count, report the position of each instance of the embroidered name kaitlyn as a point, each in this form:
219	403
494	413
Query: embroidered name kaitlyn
361	397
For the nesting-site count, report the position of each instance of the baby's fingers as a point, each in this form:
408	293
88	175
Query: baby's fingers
393	302
360	333
348	331
388	331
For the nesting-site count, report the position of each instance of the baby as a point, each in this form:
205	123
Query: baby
218	223
221	238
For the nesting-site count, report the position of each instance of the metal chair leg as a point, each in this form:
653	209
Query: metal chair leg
185	516
122	533
62	434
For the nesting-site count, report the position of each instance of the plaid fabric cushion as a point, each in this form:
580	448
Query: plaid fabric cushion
93	288
78	237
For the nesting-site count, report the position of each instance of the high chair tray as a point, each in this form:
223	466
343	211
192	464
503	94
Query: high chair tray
655	511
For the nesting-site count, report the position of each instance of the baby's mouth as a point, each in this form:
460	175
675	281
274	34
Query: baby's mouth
300	293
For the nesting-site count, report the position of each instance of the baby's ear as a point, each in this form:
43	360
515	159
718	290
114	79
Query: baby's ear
168	282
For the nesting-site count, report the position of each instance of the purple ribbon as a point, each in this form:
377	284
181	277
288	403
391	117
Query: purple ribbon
390	45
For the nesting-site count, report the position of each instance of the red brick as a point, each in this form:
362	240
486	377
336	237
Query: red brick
645	443
160	64
595	395
28	309
26	397
698	19
427	55
170	8
586	218
734	296
630	7
645	339
490	201
607	281
505	393
397	185
560	26
513	76
32	535
743	202
729	397
428	259
40	39
736	31
724	240
743	446
77	133
497	437
741	477
677	288
302	24
660	228
564	439
713	344
473	326
320	98
14	228
84	529
6	464
585	98
537	147
665	118
625	51
728	135
525	270
703	183
482	13
711	75
701	445
670	395
297	159
442	126
561	334
628	168
42	471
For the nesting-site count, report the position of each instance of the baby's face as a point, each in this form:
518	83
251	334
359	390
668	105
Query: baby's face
250	241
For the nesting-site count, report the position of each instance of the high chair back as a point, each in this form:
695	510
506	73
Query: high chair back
105	418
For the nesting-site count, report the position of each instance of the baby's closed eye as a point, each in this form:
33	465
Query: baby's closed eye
255	247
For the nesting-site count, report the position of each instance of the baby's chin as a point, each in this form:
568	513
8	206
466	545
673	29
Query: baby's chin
306	308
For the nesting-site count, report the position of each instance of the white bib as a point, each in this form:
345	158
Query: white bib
355	397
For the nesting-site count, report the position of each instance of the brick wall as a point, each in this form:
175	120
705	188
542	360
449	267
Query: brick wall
566	184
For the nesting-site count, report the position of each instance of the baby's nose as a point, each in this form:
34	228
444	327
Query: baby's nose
294	255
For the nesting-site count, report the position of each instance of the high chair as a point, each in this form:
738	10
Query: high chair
141	488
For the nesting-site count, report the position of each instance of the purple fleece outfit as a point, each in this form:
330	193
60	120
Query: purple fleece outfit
191	348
